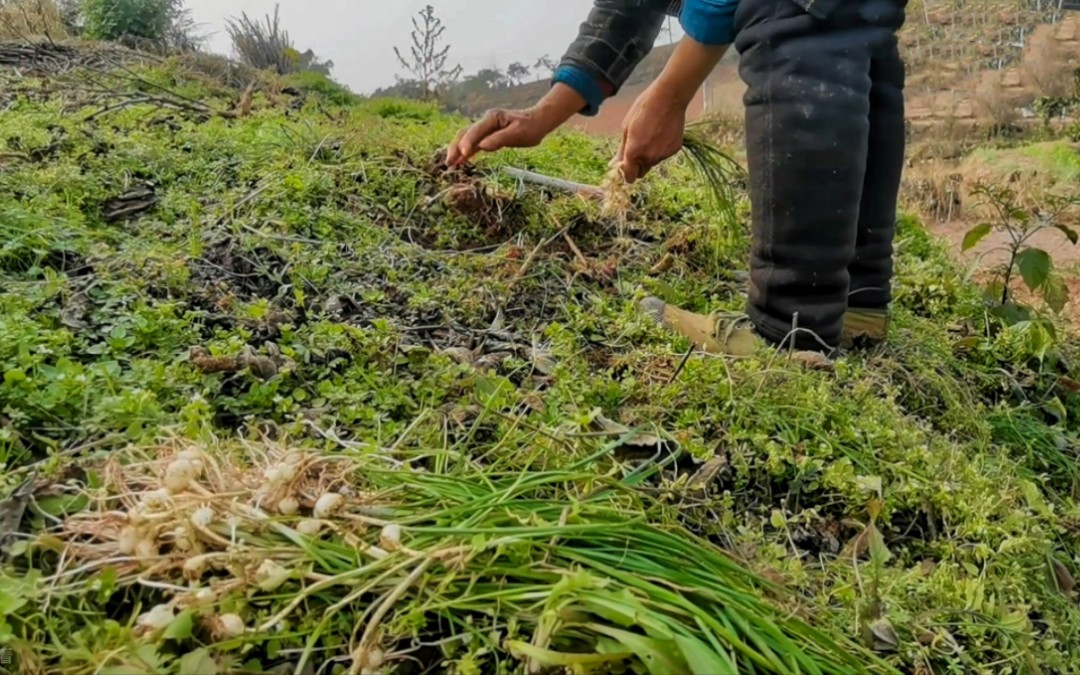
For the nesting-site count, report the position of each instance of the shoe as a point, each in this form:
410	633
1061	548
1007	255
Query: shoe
864	327
715	334
728	334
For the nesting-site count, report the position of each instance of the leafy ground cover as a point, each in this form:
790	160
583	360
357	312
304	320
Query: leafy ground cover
281	394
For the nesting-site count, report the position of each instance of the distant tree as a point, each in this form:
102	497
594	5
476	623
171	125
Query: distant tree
408	89
544	64
265	44
517	72
484	80
427	59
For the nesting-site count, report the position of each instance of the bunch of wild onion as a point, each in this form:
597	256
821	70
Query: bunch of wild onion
718	172
353	558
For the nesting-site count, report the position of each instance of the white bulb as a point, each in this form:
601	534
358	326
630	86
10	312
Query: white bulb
179	476
288	506
158	499
309	527
182	539
190	454
146	548
128	540
195	456
390	537
202	517
204	596
271	575
328	504
159	617
230	625
195	567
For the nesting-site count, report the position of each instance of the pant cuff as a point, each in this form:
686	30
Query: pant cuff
800	338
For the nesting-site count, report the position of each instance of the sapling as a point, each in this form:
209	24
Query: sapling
1020	224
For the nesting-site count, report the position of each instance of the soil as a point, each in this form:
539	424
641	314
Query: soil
991	249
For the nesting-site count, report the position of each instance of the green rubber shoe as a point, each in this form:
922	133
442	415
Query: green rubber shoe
727	334
864	327
712	333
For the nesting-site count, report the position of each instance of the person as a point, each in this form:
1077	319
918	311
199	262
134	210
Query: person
825	140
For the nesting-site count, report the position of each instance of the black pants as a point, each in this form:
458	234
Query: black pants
825	143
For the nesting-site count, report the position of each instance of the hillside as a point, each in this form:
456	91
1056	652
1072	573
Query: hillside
965	60
281	394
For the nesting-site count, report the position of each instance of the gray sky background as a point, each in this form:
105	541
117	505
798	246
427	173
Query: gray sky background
359	36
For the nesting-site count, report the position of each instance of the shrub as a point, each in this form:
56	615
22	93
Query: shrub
266	45
407	110
163	23
322	85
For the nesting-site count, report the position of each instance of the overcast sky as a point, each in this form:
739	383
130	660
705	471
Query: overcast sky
359	36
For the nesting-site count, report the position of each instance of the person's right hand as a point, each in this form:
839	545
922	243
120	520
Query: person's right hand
501	129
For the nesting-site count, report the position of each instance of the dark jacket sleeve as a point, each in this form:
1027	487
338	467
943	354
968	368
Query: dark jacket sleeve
616	36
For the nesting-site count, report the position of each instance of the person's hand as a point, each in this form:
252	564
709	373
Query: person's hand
501	129
516	128
652	132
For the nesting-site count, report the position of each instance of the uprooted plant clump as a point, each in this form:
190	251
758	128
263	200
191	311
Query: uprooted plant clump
369	537
282	394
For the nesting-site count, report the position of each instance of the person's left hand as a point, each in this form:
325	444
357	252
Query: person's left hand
652	132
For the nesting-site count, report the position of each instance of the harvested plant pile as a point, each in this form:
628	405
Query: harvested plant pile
280	393
259	544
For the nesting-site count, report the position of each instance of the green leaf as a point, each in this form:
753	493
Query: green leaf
550	659
1021	215
62	505
181	627
702	659
879	551
9	604
1073	236
1034	497
104	583
1035	266
198	662
1056	409
1056	293
659	657
494	391
975	235
149	655
1011	313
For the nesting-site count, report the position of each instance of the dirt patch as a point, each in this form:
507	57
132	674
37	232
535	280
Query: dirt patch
490	216
226	272
992	251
